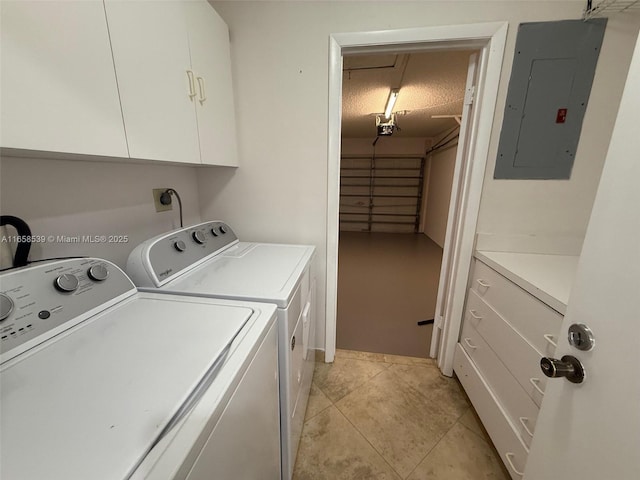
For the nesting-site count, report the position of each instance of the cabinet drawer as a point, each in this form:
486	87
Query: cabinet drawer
519	357
477	310
512	451
518	406
538	323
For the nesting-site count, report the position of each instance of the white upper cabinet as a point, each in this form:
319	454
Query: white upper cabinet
151	55
174	74
211	60
58	88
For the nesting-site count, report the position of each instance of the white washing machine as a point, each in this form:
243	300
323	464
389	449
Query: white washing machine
208	260
100	381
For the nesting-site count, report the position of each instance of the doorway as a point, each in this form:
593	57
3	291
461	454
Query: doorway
395	191
490	40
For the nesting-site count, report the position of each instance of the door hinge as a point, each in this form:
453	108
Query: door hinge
469	95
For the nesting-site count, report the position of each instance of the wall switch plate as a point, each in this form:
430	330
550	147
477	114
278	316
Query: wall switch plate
156	200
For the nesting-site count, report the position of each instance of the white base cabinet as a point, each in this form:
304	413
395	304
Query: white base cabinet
505	332
511	449
58	88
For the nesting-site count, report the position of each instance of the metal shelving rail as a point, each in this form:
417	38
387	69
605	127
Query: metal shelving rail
381	193
605	8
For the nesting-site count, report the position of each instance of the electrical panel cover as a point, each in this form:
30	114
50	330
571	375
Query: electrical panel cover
553	68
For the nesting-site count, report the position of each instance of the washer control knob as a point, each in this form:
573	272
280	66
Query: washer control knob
198	237
223	230
66	283
213	232
98	273
180	246
6	306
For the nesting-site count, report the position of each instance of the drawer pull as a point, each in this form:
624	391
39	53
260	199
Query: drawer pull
482	283
523	422
550	338
509	456
534	382
469	344
475	315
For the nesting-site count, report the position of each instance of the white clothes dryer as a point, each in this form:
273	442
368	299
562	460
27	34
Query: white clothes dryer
208	260
101	381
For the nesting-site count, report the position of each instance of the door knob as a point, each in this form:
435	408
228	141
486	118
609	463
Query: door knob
569	367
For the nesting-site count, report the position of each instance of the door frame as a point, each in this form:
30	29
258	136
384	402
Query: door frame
489	39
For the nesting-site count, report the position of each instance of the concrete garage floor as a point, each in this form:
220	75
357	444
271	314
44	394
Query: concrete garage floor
387	282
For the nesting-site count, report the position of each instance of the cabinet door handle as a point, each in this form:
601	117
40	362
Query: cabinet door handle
192	84
509	456
534	382
523	422
482	283
203	95
549	338
469	344
475	315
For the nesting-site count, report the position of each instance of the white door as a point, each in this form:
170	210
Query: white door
592	430
445	336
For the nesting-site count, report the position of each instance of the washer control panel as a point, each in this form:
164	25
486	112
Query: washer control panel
171	253
47	297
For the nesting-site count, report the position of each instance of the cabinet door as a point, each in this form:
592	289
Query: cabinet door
211	59
58	87
151	55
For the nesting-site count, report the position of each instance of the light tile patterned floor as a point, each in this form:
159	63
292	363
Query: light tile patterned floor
375	416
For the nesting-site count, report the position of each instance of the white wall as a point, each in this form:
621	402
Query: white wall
62	197
280	66
279	193
441	166
563	207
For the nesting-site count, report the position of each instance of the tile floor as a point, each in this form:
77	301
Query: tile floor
376	416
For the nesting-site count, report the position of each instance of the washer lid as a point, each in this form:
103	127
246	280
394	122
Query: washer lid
91	402
261	272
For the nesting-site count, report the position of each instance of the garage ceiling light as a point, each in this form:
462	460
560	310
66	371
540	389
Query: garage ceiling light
391	101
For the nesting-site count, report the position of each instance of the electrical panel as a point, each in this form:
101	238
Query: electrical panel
553	68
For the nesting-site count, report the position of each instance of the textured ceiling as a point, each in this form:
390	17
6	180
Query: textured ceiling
431	83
